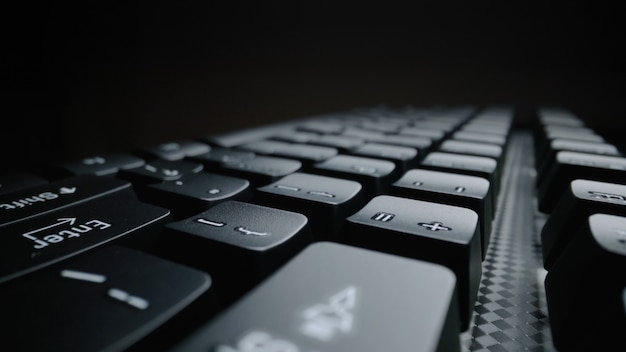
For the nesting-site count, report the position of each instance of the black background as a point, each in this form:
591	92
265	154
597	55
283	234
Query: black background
80	79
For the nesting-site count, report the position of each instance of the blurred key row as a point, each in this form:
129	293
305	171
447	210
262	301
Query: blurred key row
581	187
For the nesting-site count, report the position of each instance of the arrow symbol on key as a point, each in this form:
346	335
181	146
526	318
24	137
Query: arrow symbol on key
61	221
67	190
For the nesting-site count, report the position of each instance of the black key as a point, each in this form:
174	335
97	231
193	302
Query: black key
196	193
479	137
244	136
374	175
454	189
437	124
420	143
217	156
404	157
107	164
322	127
493	151
264	146
558	116
17	181
471	148
340	142
40	200
472	165
296	137
367	135
333	304
434	135
544	138
238	243
175	150
586	288
569	166
326	201
59	235
308	154
437	233
382	126
584	147
581	199
490	127
104	301
556	145
160	170
261	170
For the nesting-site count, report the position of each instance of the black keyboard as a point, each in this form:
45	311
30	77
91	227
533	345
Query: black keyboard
376	229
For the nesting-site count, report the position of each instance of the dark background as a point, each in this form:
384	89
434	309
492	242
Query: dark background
80	79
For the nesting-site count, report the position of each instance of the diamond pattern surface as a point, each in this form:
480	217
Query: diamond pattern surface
510	313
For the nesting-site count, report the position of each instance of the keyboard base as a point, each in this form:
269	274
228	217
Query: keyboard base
510	312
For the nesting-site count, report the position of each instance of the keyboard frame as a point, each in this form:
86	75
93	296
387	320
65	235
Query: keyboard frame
510	312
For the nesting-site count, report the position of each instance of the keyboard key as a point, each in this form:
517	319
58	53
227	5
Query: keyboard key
326	201
218	156
422	144
569	166
405	158
471	148
434	135
260	170
40	200
489	138
196	193
479	166
307	154
105	301
108	164
296	137
56	236
586	288
374	175
322	127
580	200
175	150
454	189
160	170
558	116
333	304
343	143
437	233
238	243
544	138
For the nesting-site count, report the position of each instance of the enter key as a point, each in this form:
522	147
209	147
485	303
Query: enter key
53	237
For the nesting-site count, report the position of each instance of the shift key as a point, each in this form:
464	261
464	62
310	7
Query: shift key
23	205
55	236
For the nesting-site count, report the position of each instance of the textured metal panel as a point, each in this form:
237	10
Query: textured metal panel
510	312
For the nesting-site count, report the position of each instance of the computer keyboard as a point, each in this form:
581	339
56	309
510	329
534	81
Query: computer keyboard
375	229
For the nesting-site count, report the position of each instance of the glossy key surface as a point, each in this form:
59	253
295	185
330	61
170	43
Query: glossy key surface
326	201
434	232
591	269
238	243
105	301
454	189
59	235
335	301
